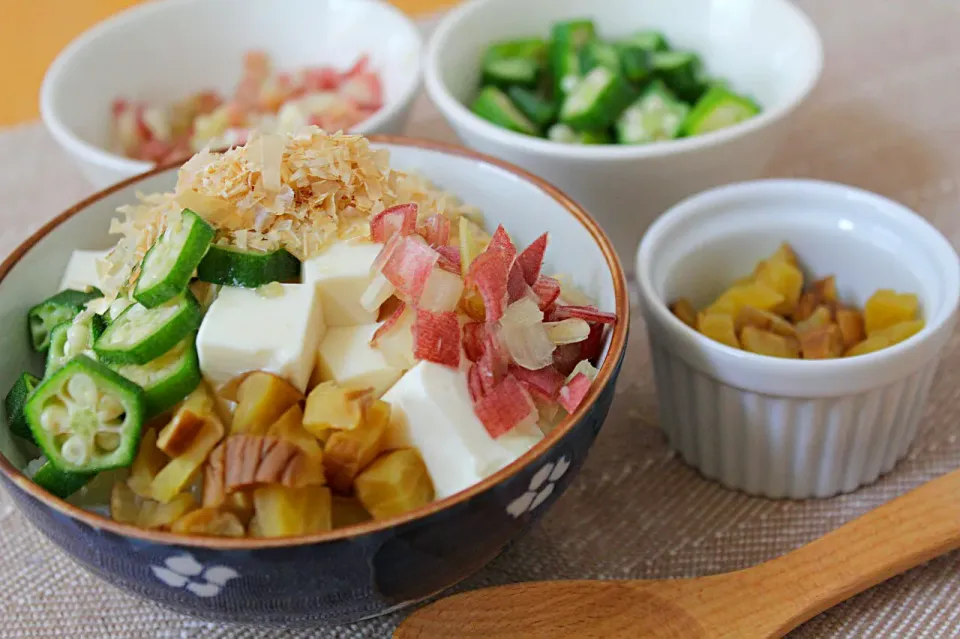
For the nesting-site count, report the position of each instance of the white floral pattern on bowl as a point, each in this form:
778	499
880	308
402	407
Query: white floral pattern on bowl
541	487
178	571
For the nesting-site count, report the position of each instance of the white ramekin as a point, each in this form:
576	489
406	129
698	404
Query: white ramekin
793	428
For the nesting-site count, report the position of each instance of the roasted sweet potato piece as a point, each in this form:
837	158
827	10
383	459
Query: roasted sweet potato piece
767	343
809	302
685	312
330	407
149	461
348	511
209	521
347	452
395	483
765	321
850	323
901	331
261	399
826	289
824	342
820	317
194	432
718	327
783	277
735	298
887	307
282	511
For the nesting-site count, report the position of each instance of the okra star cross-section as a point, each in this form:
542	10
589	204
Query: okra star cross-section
273	331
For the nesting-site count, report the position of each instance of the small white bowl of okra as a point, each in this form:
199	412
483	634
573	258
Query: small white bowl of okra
627	106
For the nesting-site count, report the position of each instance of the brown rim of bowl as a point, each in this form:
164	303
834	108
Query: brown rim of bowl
617	346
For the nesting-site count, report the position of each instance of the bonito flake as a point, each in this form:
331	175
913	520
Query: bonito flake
296	191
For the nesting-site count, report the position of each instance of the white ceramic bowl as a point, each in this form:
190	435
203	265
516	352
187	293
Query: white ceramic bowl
163	51
768	49
793	428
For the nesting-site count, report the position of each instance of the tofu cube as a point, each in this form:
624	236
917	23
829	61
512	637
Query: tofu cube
431	411
81	270
341	274
245	331
346	357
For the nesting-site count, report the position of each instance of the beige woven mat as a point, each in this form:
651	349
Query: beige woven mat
886	118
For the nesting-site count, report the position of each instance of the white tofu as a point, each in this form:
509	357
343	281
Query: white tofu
346	357
341	274
246	331
432	412
81	270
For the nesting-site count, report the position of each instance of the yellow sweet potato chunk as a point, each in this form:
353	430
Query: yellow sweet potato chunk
869	345
826	289
348	452
818	319
887	307
282	511
330	407
181	470
850	323
784	278
899	332
823	342
784	254
395	483
348	511
756	295
809	302
209	521
154	514
290	427
766	343
685	312
147	464
261	399
765	321
718	327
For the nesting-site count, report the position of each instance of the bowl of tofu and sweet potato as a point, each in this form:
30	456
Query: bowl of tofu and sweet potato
308	380
796	327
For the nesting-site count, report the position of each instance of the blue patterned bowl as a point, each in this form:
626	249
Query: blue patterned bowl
357	572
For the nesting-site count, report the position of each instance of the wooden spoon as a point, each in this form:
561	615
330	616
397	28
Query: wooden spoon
767	600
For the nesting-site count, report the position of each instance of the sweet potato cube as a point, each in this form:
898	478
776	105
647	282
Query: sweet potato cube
175	477
154	514
290	427
818	319
784	253
756	295
887	307
240	504
901	331
147	464
348	511
261	399
718	327
824	342
395	483
850	322
209	521
809	302
330	407
870	345
283	511
765	321
685	312
784	278
348	452
766	343
826	289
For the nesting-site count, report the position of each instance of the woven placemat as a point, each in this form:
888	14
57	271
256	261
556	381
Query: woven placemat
884	118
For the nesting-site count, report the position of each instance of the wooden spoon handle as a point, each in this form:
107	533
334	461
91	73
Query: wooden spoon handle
891	539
